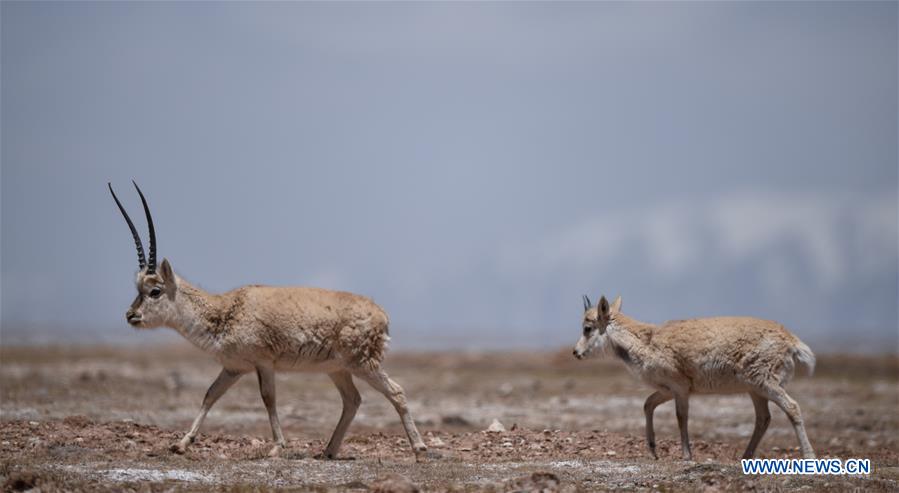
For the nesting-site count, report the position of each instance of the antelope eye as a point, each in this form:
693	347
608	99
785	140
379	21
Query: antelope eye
587	330
155	292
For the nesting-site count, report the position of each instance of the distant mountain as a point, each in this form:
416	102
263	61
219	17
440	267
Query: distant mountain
823	265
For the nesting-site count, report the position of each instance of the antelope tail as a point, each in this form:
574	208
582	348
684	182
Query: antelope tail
804	355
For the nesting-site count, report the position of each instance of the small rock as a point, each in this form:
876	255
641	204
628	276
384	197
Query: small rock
508	444
33	423
496	427
256	442
436	442
611	453
21	481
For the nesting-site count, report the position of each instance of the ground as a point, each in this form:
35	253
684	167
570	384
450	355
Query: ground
94	419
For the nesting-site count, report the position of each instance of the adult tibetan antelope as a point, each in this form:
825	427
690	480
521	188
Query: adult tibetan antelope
266	329
702	356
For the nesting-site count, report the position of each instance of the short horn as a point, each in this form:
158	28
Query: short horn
151	265
587	303
141	260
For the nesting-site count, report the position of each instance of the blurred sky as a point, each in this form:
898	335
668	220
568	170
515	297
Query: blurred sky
473	167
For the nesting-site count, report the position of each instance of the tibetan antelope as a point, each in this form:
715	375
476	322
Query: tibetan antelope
702	356
266	329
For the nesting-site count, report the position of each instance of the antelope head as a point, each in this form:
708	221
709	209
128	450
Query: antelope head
154	304
596	321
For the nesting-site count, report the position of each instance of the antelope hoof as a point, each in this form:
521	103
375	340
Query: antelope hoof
178	448
327	456
275	451
429	454
421	452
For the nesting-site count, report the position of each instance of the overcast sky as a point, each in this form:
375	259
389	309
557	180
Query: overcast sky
473	167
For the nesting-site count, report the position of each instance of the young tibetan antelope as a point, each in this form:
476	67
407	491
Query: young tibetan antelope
702	356
267	329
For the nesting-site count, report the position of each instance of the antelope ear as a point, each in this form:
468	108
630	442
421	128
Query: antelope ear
616	306
168	275
604	306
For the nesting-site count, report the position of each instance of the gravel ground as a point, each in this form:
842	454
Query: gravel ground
100	418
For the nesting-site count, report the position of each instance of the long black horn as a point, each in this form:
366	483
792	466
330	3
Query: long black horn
140	247
151	265
586	303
